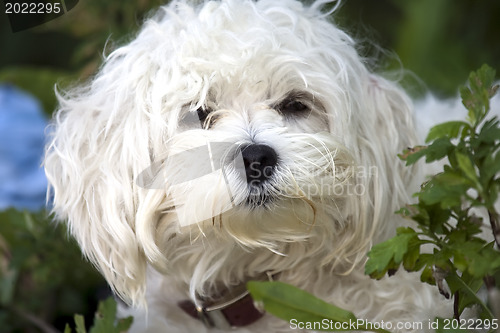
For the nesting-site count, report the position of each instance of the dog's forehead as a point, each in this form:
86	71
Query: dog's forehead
245	33
240	44
236	41
230	50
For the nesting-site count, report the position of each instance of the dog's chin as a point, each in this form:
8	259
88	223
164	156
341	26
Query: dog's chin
260	197
260	201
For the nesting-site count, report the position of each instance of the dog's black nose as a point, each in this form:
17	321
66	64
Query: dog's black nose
260	161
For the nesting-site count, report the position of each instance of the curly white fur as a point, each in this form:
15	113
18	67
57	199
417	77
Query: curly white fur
238	58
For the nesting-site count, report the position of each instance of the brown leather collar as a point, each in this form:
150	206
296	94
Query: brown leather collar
236	311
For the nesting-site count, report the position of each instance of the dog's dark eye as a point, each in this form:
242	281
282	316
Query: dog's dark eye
203	114
293	106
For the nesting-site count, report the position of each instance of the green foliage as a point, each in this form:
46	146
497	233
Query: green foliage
290	303
451	203
390	255
104	321
43	277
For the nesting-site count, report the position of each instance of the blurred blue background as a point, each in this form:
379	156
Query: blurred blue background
22	140
43	279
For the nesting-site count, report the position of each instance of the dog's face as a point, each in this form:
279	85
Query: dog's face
228	140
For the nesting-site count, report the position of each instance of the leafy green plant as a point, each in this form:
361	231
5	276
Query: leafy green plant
43	278
455	207
297	306
104	321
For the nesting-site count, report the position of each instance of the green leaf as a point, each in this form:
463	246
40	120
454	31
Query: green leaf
288	302
417	213
386	255
123	324
427	275
491	196
465	164
446	188
467	253
412	255
476	97
439	149
80	324
483	78
432	216
412	155
484	262
438	217
471	104
467	289
451	129
67	329
105	318
282	300
490	167
490	132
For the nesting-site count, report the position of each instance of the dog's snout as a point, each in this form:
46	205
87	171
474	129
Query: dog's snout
260	161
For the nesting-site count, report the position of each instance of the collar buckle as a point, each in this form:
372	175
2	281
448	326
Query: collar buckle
236	312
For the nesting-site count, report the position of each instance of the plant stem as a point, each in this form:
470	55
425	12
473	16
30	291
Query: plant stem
38	322
455	278
493	216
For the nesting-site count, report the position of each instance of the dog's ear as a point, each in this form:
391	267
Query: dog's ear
90	167
391	109
105	134
386	128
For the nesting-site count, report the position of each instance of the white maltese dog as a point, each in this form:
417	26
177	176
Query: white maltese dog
231	141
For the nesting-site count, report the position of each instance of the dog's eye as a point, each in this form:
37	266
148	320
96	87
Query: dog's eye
203	114
293	106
